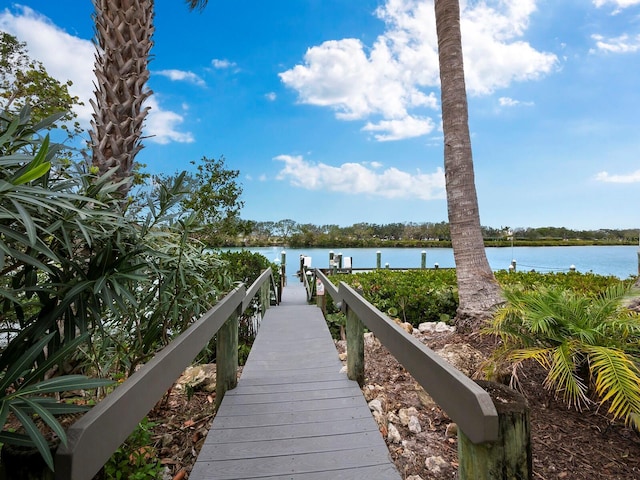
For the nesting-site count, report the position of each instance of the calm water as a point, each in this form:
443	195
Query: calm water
620	261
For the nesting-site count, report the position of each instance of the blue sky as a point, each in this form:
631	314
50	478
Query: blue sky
330	108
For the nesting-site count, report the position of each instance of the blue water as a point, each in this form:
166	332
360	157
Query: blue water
620	261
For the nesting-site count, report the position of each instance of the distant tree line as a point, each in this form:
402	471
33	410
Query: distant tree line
290	233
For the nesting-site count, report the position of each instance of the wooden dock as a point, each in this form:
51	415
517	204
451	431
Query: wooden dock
294	415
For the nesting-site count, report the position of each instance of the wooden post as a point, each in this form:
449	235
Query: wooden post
378	259
265	299
355	347
423	260
227	357
507	458
302	273
283	267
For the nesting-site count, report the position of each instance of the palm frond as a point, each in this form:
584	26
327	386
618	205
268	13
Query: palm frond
617	380
564	379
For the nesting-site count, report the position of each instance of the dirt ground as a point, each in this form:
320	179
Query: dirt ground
566	444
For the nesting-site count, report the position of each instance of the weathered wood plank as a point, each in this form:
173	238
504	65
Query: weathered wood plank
290	446
269	432
330	463
291	418
294	414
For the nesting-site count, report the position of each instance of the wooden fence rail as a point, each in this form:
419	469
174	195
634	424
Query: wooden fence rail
95	436
487	449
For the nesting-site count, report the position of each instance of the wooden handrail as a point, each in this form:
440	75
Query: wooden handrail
94	437
465	402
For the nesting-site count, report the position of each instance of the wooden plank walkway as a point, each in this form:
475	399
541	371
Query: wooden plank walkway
293	414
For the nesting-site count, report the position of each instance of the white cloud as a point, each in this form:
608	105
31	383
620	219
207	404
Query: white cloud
182	75
356	178
222	64
398	129
510	102
271	96
618	4
64	56
396	76
67	57
160	125
621	44
633	177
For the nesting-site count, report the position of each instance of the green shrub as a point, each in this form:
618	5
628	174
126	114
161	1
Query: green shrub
135	459
414	296
589	345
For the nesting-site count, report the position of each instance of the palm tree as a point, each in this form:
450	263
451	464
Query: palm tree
124	37
478	289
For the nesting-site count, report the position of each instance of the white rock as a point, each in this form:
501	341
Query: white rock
443	327
462	356
393	418
406	413
427	327
393	435
414	425
452	430
435	464
375	405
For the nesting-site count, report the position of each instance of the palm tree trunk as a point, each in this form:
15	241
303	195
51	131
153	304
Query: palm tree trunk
124	31
477	287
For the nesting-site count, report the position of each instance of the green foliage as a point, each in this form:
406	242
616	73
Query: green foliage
214	196
74	263
588	284
135	460
415	296
24	393
24	81
589	345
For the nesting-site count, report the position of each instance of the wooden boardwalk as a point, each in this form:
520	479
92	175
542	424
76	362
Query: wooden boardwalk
293	414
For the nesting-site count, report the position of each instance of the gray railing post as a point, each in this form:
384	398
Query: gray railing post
378	259
265	298
355	347
510	455
423	260
283	268
227	356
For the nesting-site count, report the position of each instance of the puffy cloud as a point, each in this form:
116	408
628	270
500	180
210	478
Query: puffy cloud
510	102
618	4
222	64
67	57
606	177
402	128
621	44
271	96
182	75
356	178
396	76
64	56
160	125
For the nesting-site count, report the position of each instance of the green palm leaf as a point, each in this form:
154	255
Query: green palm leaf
617	380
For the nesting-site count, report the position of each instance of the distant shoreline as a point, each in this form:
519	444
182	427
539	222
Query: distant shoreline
380	243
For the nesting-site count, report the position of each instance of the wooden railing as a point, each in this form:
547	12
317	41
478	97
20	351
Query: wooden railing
484	432
94	438
465	402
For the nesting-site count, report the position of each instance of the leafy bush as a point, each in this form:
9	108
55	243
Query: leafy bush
589	345
135	459
415	296
588	284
